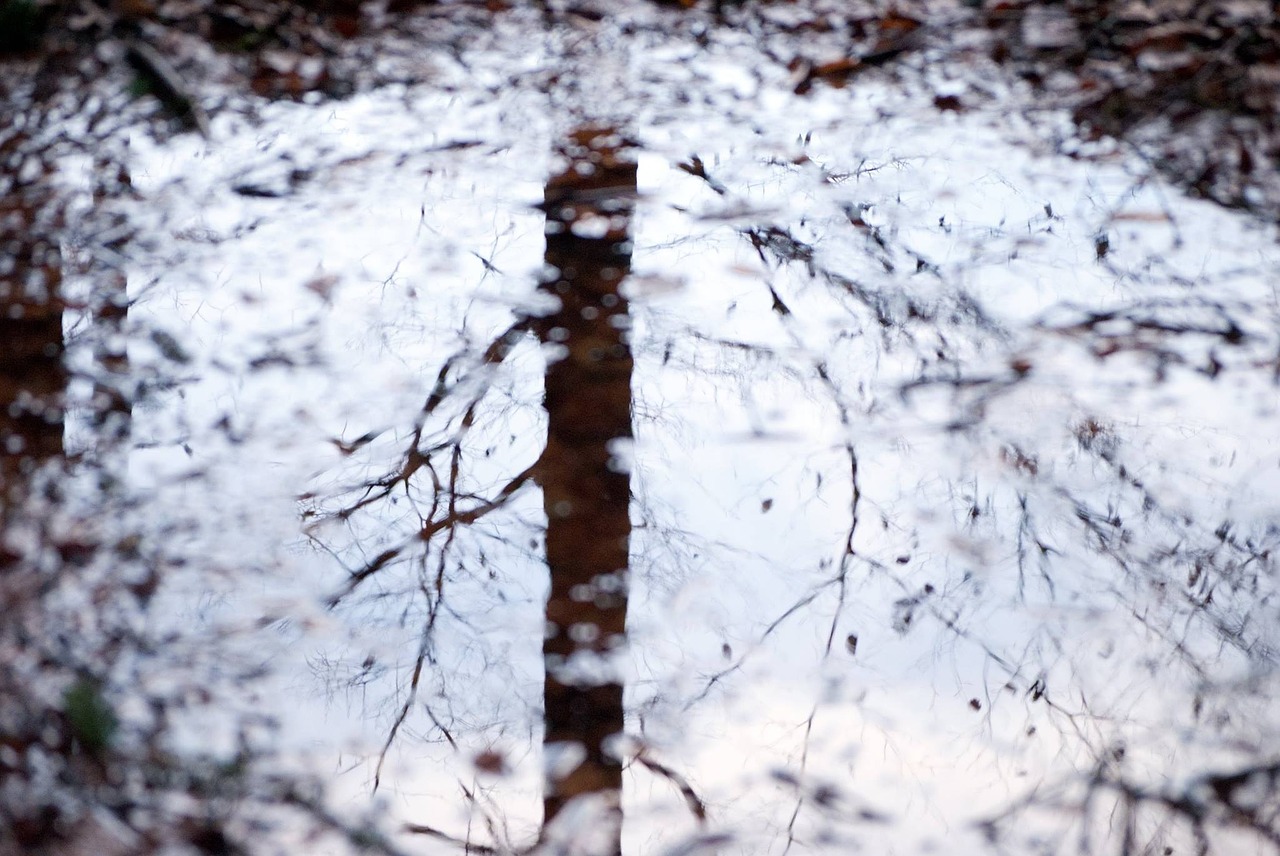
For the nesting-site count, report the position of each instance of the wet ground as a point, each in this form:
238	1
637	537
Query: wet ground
950	462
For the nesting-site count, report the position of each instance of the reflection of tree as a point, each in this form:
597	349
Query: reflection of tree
33	378
107	304
584	472
33	387
89	762
1060	515
74	776
1073	521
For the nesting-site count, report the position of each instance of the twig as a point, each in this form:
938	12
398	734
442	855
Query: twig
167	84
691	798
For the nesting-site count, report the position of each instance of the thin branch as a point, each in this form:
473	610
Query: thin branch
440	835
430	529
691	798
423	647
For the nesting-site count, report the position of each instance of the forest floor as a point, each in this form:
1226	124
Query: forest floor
1193	86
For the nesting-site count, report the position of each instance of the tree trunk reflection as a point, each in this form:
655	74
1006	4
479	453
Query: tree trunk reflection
111	410
33	378
585	482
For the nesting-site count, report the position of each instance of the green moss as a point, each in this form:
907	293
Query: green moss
91	718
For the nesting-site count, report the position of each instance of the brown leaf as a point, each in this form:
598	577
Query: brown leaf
896	22
837	72
492	762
